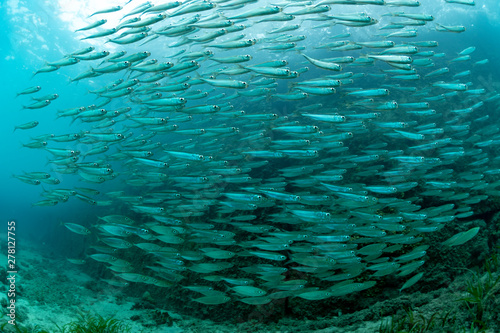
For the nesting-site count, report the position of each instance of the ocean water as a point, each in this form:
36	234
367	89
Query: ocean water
460	169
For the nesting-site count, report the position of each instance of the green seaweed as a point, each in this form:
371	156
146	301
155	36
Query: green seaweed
86	323
480	290
481	287
417	323
95	324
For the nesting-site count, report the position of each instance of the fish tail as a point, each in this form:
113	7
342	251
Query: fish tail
70	80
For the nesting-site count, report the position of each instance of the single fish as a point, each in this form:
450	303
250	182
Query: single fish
29	90
77	228
93	25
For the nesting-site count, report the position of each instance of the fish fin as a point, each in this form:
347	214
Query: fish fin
72	120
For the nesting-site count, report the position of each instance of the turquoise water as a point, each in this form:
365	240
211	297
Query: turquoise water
36	32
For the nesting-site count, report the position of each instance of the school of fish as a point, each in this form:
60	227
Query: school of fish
250	165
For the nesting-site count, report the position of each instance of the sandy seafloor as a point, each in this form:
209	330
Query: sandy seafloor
54	291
